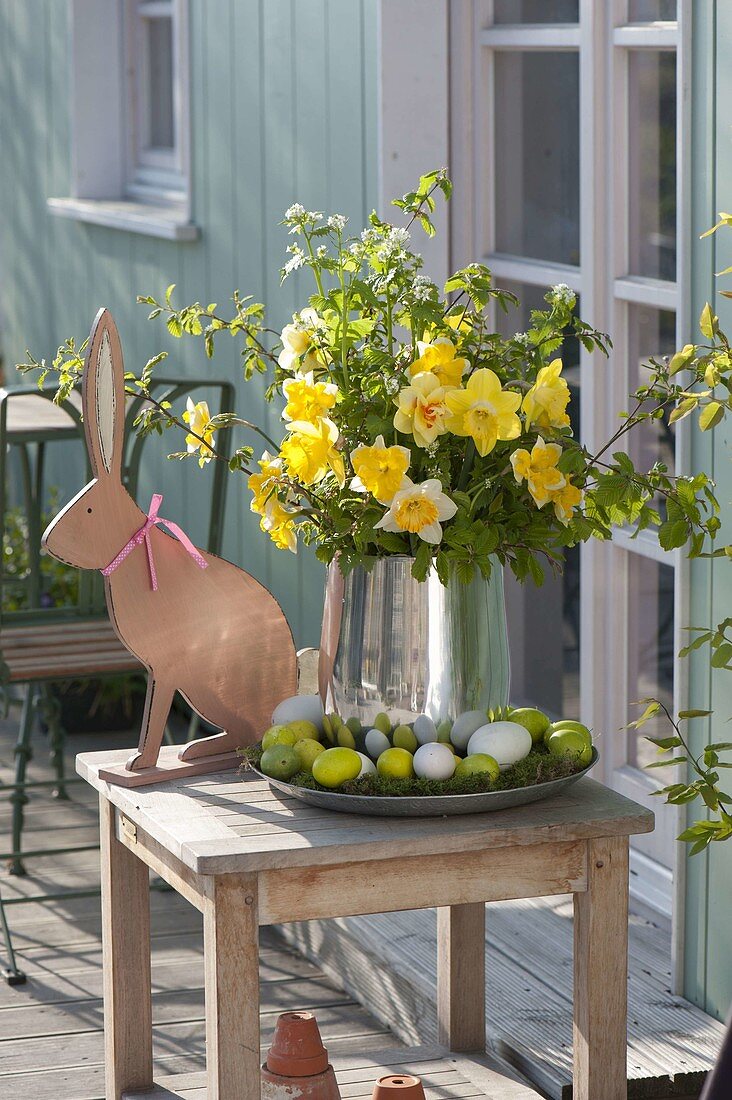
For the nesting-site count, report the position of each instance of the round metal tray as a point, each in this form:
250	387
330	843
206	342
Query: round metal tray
428	805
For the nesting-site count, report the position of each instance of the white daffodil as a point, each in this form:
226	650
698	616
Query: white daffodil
419	509
298	341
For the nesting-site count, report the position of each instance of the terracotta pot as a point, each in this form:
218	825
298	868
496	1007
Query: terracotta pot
297	1049
398	1086
321	1086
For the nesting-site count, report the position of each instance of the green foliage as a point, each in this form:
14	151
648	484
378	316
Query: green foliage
59	583
363	329
706	388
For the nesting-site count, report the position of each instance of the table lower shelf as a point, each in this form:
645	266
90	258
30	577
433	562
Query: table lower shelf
445	1076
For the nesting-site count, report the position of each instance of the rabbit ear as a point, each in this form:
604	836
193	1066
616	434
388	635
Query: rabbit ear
104	397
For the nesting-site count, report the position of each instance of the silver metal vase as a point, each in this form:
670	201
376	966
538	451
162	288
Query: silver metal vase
391	643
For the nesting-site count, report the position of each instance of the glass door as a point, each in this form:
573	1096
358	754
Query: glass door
644	144
565	121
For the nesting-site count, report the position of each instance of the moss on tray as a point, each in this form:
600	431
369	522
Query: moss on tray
538	767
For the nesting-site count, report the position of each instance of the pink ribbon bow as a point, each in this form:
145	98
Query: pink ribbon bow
143	535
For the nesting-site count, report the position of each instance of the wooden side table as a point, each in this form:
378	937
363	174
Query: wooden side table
247	856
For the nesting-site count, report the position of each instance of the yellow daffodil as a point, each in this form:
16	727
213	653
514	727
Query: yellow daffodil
279	523
310	451
484	411
419	509
438	358
299	341
539	470
565	501
264	483
379	469
422	411
308	399
198	419
546	402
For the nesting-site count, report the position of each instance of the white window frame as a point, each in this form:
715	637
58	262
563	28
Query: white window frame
157	173
110	185
603	38
659	850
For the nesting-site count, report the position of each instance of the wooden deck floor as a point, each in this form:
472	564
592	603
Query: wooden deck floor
51	1041
50	1029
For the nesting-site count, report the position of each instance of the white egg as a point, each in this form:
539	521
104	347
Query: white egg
298	708
367	766
465	726
434	761
506	742
425	729
376	743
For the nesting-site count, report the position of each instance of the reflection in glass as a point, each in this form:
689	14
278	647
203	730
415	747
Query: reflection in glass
652	163
160	82
537	172
535	11
544	623
650	606
651	11
651	332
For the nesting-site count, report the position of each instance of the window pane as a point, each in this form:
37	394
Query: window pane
650	653
537	161
536	11
652	152
651	332
544	674
651	11
159	32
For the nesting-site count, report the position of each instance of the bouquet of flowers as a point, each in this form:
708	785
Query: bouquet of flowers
409	426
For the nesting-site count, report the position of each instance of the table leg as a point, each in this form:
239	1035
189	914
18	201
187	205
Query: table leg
231	953
601	974
461	977
126	944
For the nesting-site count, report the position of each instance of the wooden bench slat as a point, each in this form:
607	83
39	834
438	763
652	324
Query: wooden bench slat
64	651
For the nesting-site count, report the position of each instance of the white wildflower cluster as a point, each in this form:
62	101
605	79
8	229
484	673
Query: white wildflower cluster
321	251
393	244
392	385
422	288
522	338
297	259
398	238
297	217
563	295
337	222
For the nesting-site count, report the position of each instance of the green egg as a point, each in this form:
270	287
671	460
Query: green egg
403	738
345	738
444	730
381	722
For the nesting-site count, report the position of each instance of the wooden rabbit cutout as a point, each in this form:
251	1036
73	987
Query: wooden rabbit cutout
207	630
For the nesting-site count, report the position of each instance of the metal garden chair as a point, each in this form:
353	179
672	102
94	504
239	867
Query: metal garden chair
42	644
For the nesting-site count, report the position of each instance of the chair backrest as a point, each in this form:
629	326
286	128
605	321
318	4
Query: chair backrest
29	423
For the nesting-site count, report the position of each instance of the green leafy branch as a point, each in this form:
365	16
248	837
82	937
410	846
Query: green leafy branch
705	767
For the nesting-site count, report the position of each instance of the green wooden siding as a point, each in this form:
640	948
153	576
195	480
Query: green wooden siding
283	108
708	929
